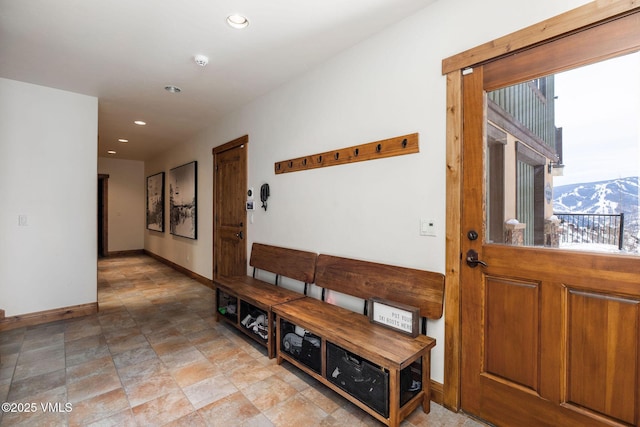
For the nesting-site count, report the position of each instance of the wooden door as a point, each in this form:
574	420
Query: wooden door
549	336
230	228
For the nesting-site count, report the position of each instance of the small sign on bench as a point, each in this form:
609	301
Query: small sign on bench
393	315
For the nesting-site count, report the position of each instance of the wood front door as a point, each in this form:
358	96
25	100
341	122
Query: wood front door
230	228
549	336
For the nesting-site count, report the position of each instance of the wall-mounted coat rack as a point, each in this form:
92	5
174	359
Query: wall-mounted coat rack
398	146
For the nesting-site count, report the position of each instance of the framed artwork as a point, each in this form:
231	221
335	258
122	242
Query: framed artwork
393	315
182	200
155	202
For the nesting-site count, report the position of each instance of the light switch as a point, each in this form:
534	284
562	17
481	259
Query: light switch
427	227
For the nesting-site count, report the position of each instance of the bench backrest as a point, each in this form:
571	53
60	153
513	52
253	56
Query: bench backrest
292	263
363	279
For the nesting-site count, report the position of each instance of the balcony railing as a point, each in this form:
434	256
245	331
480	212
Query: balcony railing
605	229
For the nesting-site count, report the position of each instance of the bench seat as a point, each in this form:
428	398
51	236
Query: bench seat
248	294
353	333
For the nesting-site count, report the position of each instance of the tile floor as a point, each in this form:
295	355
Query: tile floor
154	355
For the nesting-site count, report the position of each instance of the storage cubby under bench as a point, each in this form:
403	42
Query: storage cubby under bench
383	371
246	302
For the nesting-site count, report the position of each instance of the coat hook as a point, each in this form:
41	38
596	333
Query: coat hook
378	148
404	143
356	152
304	162
336	156
319	159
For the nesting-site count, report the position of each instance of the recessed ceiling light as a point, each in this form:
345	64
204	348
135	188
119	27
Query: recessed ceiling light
237	21
123	140
172	89
111	152
140	122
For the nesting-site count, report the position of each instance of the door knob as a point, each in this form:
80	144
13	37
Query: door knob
240	235
472	259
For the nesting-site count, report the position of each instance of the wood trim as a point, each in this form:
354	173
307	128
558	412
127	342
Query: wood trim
195	276
37	318
593	44
398	146
437	392
549	29
131	252
452	318
231	144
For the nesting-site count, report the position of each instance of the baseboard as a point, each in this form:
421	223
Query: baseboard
37	318
195	276
130	252
437	392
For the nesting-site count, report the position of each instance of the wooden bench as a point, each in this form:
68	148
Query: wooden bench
251	298
348	339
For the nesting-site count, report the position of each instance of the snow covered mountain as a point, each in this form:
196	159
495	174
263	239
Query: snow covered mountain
602	197
614	196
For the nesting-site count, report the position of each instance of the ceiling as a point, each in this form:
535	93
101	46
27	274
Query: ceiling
126	51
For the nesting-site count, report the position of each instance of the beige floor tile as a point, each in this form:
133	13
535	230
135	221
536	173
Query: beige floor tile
209	390
163	409
123	418
92	385
99	407
190	420
194	372
103	365
269	392
150	388
295	411
232	410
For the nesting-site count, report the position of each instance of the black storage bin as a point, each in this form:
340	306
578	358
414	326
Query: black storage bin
302	345
254	320
360	378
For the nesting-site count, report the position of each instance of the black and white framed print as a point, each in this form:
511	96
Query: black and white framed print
182	200
155	202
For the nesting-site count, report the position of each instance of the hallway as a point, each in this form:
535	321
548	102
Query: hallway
154	355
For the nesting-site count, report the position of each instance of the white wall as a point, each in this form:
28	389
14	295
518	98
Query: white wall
126	203
48	175
387	86
194	255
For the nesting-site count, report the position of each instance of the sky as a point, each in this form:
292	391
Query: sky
598	108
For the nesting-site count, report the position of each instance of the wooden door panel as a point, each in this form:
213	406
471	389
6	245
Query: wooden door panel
579	320
602	344
230	184
512	330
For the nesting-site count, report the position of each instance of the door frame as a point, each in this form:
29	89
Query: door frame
546	31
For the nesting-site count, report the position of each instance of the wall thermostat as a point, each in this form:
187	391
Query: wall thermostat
250	205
